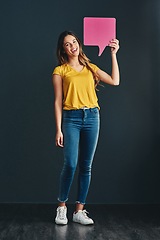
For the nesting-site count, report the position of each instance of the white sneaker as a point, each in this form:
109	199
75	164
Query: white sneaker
81	217
61	217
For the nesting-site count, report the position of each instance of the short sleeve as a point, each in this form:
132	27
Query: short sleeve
57	71
94	67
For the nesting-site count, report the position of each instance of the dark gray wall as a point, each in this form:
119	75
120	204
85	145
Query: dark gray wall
126	166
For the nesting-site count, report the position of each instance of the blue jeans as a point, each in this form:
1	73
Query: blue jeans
80	130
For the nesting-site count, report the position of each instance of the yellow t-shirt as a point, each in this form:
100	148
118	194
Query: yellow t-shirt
78	87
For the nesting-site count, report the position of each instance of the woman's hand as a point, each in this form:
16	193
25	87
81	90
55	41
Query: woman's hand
114	44
59	139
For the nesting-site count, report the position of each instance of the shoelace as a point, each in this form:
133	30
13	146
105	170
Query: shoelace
85	214
62	213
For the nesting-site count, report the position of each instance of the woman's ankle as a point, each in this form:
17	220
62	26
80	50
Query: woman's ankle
79	206
62	204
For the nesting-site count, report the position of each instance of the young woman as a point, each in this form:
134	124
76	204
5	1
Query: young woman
75	81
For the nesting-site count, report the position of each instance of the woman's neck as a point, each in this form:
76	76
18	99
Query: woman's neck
74	62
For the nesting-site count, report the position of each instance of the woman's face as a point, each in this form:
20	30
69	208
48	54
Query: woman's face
71	46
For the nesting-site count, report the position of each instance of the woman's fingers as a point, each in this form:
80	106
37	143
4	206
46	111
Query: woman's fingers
59	141
116	41
114	44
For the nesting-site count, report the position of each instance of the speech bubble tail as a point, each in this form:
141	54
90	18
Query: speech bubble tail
101	49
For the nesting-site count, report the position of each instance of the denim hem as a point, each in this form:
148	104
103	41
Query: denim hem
80	202
62	201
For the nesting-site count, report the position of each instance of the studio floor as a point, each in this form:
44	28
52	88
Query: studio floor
112	222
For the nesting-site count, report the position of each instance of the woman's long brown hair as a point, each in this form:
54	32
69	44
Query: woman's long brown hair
83	59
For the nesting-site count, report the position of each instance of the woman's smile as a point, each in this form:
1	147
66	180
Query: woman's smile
74	50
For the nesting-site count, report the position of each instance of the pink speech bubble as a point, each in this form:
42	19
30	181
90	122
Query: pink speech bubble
99	32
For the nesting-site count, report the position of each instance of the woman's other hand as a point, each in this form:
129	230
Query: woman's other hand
59	139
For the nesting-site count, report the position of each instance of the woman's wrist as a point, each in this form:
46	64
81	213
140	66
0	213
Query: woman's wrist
59	130
113	54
